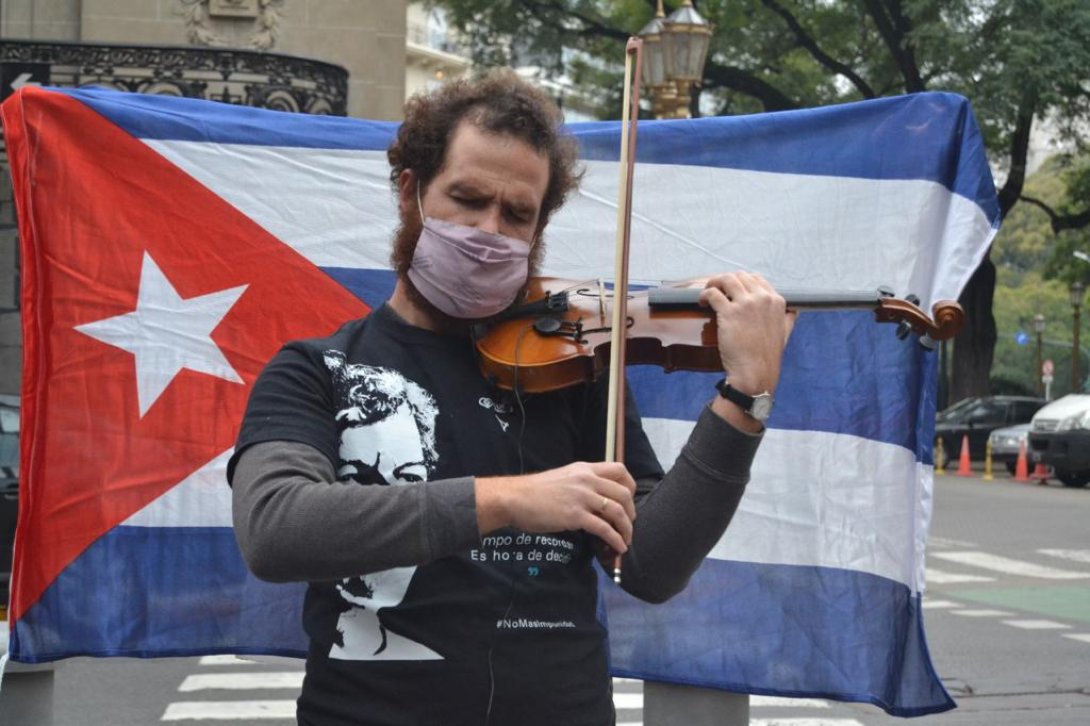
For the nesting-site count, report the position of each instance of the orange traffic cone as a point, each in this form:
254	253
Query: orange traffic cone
1021	468
1040	473
964	467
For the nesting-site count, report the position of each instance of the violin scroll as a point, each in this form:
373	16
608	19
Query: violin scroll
947	318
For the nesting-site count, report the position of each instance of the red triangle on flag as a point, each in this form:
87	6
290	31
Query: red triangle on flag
93	202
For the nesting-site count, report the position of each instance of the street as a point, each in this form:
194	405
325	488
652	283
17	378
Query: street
1007	616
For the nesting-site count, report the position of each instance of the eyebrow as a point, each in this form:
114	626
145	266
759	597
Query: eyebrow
519	206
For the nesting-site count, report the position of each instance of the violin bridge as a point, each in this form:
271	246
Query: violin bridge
601	297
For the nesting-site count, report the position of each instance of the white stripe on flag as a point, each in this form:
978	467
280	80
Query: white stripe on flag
789	219
202	499
791	515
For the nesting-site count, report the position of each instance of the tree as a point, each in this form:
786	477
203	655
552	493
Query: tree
1018	61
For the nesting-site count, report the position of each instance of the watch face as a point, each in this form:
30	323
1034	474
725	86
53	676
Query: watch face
762	407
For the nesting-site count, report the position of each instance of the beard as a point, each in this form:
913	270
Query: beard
401	257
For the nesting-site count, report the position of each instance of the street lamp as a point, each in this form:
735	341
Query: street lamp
1039	326
675	49
656	76
1077	290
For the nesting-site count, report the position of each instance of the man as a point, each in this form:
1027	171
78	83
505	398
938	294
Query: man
464	591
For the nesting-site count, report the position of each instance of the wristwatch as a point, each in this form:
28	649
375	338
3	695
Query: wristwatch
758	407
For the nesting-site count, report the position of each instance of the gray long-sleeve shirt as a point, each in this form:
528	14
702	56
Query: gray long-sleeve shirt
295	522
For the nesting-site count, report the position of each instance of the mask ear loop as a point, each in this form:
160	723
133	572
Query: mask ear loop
419	206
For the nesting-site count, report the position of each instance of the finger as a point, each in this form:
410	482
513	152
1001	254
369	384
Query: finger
616	472
617	494
617	514
603	529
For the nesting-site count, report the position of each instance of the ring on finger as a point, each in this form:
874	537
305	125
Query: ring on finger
604	504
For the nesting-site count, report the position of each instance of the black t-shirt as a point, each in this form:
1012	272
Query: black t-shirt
505	633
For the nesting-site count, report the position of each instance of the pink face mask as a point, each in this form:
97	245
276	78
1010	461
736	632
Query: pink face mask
466	272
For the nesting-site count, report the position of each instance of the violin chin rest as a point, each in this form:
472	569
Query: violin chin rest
547	325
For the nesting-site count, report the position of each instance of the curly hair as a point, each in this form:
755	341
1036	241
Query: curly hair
499	102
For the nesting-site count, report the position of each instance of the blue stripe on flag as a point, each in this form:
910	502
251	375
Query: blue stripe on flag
189	119
800	631
842	374
927	136
151	592
374	287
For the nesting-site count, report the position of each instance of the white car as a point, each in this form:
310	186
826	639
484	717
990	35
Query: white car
1059	437
1007	444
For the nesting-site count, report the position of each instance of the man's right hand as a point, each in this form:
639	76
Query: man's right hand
596	498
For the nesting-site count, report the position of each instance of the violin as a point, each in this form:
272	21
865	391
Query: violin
562	334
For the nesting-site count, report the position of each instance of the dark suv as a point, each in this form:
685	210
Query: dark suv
976	418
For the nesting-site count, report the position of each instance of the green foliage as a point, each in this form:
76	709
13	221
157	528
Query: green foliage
1035	269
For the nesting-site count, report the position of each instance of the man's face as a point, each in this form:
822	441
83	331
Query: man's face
493	182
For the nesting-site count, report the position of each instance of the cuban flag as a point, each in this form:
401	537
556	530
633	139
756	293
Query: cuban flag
170	246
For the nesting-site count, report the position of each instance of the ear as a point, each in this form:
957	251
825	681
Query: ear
406	192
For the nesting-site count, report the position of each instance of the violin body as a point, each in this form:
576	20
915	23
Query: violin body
526	354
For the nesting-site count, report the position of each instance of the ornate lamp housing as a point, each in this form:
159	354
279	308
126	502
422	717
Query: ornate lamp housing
685	39
655	71
1039	323
1077	290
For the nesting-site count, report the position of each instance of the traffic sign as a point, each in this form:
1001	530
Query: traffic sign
1047	368
14	76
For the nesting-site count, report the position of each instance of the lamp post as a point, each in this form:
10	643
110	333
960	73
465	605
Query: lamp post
675	49
1039	326
1077	291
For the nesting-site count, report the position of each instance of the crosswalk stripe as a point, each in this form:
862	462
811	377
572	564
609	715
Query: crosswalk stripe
981	613
1009	566
940	577
1036	624
241	681
1073	555
804	722
781	702
940	604
1081	637
222	660
628	700
229	710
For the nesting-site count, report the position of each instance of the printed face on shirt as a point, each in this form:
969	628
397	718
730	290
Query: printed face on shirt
387	436
385	451
386	423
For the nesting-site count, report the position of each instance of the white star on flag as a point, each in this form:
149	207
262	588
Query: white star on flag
167	333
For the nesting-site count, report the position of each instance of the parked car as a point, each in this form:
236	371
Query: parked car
1007	443
977	417
1059	437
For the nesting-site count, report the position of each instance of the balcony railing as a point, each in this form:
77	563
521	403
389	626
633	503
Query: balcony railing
242	77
